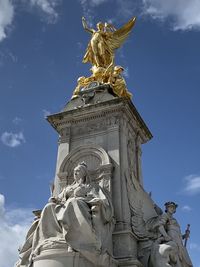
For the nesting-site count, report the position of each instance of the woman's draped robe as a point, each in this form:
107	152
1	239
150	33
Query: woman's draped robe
77	221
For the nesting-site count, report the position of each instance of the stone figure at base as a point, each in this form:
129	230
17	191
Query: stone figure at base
79	219
168	249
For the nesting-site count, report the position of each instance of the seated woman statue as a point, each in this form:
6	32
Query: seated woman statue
168	250
79	219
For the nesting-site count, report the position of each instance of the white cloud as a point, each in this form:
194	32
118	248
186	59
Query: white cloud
92	2
2	201
7	11
184	14
6	17
13	228
97	2
12	139
48	7
128	8
88	7
192	184
186	208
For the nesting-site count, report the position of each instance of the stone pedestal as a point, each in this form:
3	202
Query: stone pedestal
61	258
124	244
128	262
106	133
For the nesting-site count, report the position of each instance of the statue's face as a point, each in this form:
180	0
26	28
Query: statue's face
78	174
171	209
118	70
100	26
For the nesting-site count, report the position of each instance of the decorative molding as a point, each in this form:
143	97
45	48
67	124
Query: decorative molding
95	126
99	110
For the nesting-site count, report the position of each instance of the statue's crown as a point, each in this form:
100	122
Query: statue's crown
171	203
83	164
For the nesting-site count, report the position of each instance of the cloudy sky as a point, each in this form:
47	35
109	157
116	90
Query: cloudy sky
42	43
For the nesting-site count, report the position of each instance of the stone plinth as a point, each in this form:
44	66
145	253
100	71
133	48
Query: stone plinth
124	244
62	258
129	263
106	133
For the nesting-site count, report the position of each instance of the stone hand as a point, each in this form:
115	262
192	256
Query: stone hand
95	201
167	238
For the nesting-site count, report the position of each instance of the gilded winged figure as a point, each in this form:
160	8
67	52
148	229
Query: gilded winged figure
104	41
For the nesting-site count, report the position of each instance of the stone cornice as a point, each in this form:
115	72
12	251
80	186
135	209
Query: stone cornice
98	111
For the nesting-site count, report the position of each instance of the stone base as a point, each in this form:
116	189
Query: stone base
129	263
62	258
124	245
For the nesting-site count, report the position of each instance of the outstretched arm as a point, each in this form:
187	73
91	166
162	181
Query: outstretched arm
85	26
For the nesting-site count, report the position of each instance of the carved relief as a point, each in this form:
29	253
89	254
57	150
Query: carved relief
95	126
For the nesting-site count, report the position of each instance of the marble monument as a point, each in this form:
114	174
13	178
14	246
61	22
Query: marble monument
99	213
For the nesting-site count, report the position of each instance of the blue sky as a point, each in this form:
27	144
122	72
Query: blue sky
42	43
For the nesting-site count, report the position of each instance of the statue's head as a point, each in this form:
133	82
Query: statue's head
81	173
100	26
118	69
81	79
170	206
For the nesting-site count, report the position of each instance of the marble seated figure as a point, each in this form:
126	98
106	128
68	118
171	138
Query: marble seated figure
80	219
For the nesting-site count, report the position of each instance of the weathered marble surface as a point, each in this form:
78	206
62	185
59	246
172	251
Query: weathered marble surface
121	228
61	258
79	219
162	244
112	124
168	249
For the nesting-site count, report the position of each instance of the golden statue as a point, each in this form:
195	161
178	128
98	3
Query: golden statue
82	82
104	41
98	75
112	77
118	83
100	53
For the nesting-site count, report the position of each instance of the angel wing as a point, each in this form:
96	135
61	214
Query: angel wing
119	36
